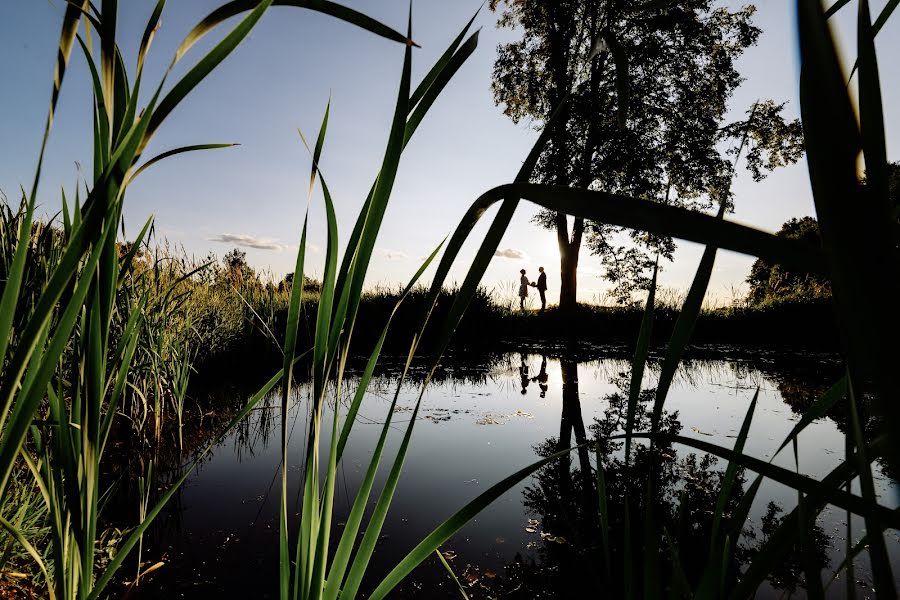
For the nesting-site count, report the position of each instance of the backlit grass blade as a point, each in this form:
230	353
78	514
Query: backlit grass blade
348	303
437	84
871	113
881	564
203	68
449	570
427	82
486	250
231	9
290	344
710	583
135	535
366	377
807	485
147	37
660	219
176	151
35	555
731	472
382	505
684	325
817	410
449	527
865	276
639	362
602	503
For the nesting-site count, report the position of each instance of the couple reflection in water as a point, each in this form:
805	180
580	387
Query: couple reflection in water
541	378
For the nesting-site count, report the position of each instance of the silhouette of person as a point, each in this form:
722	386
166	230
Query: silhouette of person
523	374
541	286
542	377
523	289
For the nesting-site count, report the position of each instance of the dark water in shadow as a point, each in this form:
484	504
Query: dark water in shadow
483	419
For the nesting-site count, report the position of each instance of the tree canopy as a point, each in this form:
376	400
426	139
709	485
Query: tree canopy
647	100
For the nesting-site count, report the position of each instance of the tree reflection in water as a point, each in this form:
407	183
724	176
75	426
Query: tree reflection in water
563	502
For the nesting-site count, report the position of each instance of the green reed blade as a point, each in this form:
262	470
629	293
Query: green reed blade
807	485
684	324
639	362
731	473
121	98
135	535
209	62
836	7
871	113
147	37
366	377
604	511
30	396
326	298
889	7
23	541
290	343
437	83
865	274
453	578
445	530
847	563
380	196
770	554
135	248
236	7
812	575
881	564
652	589
440	66
176	151
817	410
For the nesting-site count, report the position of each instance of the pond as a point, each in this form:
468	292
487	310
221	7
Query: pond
482	419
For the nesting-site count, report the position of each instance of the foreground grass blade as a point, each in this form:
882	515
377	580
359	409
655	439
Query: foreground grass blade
142	527
174	152
205	66
231	9
856	230
684	325
639	361
449	527
459	586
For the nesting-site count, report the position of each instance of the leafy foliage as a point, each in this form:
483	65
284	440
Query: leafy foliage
680	66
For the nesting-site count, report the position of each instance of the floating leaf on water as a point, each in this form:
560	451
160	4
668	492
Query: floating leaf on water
500	540
449	554
530	529
489	420
489	574
700	432
522	413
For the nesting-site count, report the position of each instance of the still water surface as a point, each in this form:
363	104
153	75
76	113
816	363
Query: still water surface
481	420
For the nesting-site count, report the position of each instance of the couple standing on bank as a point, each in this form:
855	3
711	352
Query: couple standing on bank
541	286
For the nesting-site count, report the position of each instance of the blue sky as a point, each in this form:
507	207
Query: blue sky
281	78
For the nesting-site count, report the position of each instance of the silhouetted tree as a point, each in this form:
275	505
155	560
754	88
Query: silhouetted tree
775	282
677	79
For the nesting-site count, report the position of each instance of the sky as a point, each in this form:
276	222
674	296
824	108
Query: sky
254	196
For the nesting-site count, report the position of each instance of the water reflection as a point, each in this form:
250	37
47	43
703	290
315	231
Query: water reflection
484	418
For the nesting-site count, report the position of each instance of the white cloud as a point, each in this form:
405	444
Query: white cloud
511	253
393	254
249	241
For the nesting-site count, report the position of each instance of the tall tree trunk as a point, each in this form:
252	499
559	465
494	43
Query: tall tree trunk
569	251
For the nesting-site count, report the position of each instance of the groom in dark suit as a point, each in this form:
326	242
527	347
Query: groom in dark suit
541	286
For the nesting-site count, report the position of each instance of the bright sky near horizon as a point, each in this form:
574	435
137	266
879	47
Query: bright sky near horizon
281	78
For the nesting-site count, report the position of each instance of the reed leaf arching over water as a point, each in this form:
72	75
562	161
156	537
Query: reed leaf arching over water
76	313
